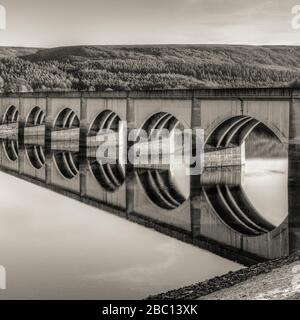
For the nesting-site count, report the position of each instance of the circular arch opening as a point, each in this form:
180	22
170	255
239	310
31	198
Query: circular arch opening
36	117
110	176
167	188
67	119
234	131
11	149
11	115
67	163
106	119
251	199
36	155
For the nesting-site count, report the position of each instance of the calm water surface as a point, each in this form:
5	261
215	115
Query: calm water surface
265	184
54	247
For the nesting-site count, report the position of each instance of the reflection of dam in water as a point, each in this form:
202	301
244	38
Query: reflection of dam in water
238	194
238	207
247	210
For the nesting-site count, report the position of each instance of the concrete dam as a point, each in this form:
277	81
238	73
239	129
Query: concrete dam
50	139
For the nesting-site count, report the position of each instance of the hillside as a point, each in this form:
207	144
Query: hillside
147	67
16	51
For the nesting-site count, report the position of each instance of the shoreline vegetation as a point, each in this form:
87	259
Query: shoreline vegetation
94	68
213	288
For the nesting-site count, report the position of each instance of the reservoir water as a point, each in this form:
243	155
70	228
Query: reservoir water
54	247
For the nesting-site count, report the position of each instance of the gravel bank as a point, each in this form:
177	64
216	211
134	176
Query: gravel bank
271	274
279	284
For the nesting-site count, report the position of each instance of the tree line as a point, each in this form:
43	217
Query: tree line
136	72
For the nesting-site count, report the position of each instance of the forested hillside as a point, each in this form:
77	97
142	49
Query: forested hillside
147	67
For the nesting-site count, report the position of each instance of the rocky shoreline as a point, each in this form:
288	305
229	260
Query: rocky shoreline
228	280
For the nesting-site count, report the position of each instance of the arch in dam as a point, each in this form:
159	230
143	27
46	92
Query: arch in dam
11	115
66	119
36	117
159	121
233	131
110	176
105	120
271	111
159	185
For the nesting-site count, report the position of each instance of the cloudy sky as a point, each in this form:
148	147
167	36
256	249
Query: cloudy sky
48	23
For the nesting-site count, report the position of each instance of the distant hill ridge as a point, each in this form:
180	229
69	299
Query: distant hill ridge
147	67
285	56
16	51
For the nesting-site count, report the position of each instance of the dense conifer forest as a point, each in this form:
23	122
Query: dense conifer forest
92	68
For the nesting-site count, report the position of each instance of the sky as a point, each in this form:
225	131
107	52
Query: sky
52	23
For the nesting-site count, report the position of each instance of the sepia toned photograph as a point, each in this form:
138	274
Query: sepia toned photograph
149	151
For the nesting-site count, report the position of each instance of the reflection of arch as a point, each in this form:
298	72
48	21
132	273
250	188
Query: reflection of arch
159	184
36	117
11	115
109	175
11	149
234	131
66	119
234	208
160	188
67	163
36	155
